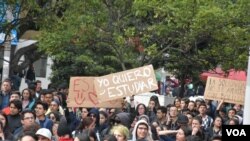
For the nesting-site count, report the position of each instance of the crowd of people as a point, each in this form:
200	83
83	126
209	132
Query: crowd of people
36	114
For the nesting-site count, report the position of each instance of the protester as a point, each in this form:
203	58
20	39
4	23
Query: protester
44	134
5	93
121	132
142	131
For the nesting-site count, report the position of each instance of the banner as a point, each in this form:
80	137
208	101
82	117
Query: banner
82	94
126	83
231	91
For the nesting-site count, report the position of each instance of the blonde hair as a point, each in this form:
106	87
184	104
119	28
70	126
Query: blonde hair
121	129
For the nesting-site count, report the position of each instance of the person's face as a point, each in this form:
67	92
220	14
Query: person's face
177	103
52	117
190	105
202	109
13	109
14	96
231	113
3	120
42	97
190	119
38	86
183	104
218	122
48	98
54	106
196	124
39	110
151	104
237	107
142	131
111	112
159	114
26	95
180	136
93	116
102	119
119	136
28	119
84	113
42	138
27	138
173	111
141	110
6	87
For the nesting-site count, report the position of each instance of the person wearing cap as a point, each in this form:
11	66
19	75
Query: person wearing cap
55	106
44	134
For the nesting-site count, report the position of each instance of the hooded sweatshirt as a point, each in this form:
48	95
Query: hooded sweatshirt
148	136
125	118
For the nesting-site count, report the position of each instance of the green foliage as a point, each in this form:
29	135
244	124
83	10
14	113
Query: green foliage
94	37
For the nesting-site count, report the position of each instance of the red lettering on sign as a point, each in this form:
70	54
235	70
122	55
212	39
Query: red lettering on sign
80	92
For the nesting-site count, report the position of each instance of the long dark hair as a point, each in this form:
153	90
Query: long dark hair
30	97
137	108
6	119
85	123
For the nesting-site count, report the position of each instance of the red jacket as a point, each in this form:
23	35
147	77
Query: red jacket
65	139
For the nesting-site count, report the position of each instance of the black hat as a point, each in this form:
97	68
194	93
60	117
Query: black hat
182	119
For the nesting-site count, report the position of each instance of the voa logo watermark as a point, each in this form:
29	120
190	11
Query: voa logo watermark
236	132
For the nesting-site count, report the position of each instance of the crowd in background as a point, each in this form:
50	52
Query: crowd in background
41	114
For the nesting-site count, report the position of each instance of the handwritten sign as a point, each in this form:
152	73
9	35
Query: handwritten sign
82	94
126	83
231	91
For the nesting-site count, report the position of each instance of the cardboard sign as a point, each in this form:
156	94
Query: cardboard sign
231	91
145	97
126	83
82	94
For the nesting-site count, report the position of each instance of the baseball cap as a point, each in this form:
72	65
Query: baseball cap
44	132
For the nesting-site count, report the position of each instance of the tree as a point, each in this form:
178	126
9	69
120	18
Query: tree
91	38
198	35
22	16
99	37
